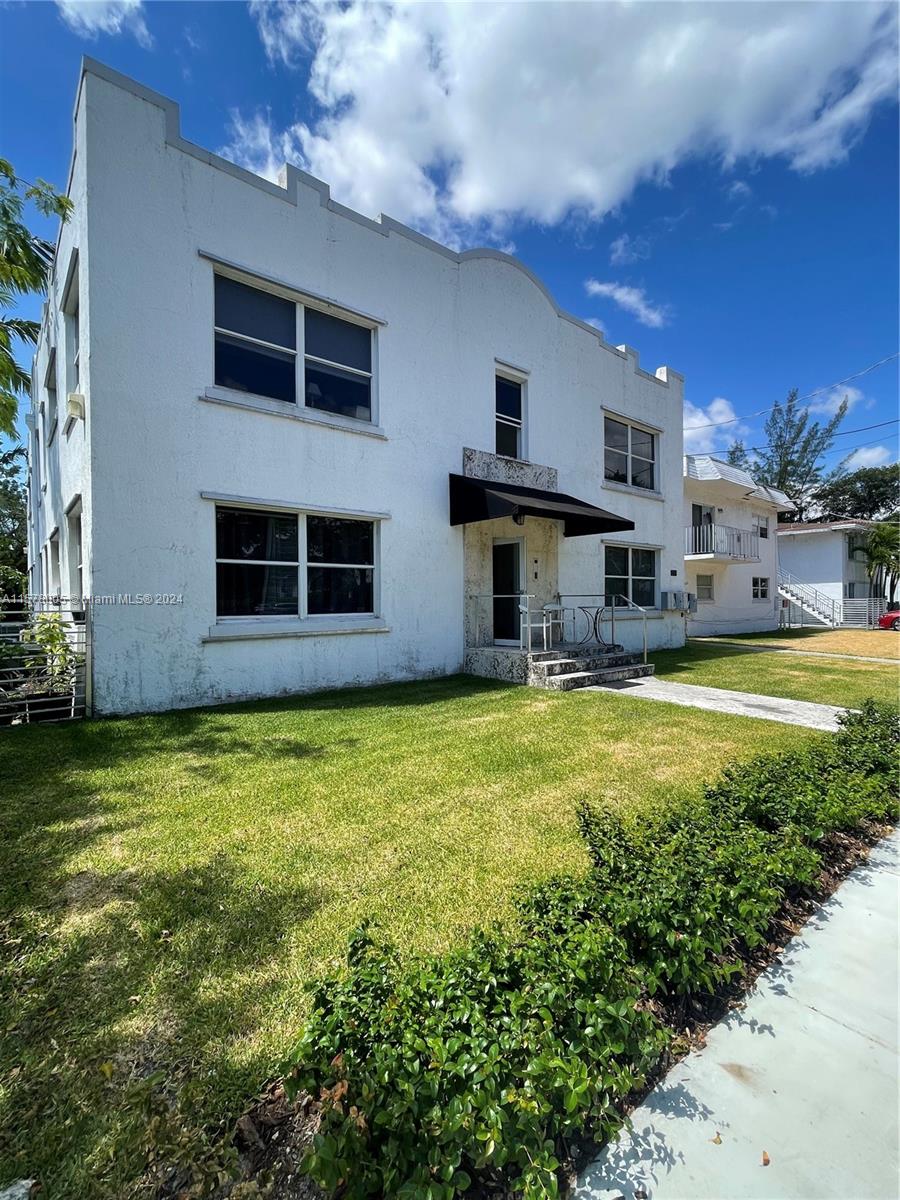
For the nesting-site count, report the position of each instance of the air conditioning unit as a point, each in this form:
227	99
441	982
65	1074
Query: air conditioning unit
75	406
672	601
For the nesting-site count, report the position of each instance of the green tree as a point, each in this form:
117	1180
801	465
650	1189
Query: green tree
13	562
869	494
25	261
791	459
882	551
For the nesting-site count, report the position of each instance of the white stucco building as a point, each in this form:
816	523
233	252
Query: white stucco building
249	402
730	548
824	575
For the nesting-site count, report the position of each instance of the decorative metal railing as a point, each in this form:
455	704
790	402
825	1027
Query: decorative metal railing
44	648
573	621
585	616
722	539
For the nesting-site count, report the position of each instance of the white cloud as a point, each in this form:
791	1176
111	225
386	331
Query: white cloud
447	115
90	18
626	249
829	402
869	456
597	324
740	190
632	299
699	440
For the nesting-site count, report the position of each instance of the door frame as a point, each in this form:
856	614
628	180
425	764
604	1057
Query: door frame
508	541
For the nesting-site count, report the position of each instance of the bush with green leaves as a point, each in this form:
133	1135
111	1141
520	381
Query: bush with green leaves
477	1060
485	1060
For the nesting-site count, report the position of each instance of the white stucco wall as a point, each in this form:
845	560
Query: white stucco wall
733	609
159	437
818	558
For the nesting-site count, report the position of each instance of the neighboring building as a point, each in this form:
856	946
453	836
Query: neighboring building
730	548
281	422
824	578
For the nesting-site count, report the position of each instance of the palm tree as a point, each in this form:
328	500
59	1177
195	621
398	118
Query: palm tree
882	551
25	262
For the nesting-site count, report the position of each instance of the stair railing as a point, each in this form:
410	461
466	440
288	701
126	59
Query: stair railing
595	613
810	597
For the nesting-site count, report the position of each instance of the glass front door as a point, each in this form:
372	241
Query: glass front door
508	587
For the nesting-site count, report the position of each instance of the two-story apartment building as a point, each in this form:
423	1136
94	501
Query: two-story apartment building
730	548
285	447
824	576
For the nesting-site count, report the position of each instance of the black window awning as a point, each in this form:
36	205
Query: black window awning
483	500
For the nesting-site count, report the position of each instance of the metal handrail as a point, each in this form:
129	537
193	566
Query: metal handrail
605	597
823	606
721	539
524	613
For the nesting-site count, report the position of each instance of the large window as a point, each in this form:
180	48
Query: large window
508	417
631	572
629	454
256	352
256	341
761	525
262	568
760	587
337	365
340	568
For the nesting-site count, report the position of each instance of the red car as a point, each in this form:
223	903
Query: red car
890	619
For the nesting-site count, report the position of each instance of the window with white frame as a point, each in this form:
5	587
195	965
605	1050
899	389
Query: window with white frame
760	586
53	545
50	389
761	525
293	564
631	571
508	416
629	454
256	351
705	587
74	551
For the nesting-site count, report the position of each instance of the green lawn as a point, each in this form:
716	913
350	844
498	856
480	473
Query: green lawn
170	884
823	680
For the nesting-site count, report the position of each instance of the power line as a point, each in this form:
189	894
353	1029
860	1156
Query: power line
809	395
844	433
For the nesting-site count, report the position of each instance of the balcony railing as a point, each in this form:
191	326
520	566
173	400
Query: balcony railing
723	541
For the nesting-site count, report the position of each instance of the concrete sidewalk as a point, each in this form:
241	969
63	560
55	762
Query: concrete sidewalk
806	1072
739	704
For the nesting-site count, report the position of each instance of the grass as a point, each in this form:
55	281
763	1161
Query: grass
822	680
171	883
868	643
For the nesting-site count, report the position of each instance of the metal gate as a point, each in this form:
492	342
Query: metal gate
45	650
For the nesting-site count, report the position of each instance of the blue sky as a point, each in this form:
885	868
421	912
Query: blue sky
716	184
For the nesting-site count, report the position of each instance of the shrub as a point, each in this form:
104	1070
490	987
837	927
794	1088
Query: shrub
481	1060
477	1060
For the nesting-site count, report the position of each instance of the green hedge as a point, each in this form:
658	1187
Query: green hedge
481	1060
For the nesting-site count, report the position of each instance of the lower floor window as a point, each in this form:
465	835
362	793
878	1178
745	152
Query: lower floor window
760	587
705	587
293	564
630	572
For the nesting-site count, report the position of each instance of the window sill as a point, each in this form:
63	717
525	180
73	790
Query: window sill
632	491
263	627
292	412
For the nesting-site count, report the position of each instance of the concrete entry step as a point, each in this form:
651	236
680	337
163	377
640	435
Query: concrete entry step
580	679
587	662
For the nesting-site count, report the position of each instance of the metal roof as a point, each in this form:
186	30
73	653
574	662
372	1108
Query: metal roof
706	469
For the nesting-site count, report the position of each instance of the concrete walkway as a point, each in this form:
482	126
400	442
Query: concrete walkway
770	648
806	1073
740	704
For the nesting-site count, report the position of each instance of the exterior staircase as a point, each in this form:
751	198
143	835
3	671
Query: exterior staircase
815	604
566	669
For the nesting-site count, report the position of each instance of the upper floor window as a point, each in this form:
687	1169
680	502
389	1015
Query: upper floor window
629	454
256	351
508	417
72	329
50	388
256	341
761	525
293	564
856	543
337	365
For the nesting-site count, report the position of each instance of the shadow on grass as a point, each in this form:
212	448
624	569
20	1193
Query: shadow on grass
147	976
